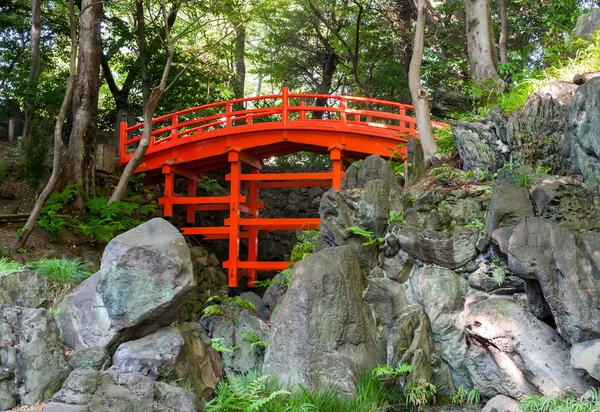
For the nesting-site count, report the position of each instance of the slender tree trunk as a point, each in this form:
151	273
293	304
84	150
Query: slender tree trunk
483	58
240	64
329	68
82	142
58	135
419	94
149	105
34	72
503	32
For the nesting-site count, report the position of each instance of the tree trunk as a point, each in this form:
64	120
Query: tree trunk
329	68
58	142
34	72
503	32
419	95
149	104
483	58
82	142
240	65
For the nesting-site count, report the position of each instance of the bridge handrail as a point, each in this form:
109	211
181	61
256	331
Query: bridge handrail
228	118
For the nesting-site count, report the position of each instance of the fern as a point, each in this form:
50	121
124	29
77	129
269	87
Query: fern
385	371
394	216
219	347
498	275
254	340
473	397
227	306
420	395
460	396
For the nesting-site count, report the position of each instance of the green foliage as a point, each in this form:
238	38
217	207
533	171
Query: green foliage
419	395
567	402
524	180
51	219
445	142
476	223
254	340
61	274
394	216
9	266
365	233
35	162
209	185
303	160
217	345
472	397
227	306
3	171
385	371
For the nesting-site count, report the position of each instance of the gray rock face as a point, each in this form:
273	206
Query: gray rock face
566	201
388	299
512	353
372	168
588	24
179	354
26	289
584	129
397	266
509	205
32	359
448	249
142	285
586	355
91	358
244	357
501	403
323	329
89	390
564	265
439	292
275	292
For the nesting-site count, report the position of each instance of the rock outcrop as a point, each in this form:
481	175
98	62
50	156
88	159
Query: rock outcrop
26	289
142	285
33	365
586	356
323	330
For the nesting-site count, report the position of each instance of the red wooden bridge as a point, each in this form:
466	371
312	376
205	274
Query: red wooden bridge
246	131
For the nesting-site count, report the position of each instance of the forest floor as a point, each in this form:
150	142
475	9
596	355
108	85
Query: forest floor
17	197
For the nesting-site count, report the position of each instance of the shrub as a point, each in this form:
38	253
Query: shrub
445	142
9	266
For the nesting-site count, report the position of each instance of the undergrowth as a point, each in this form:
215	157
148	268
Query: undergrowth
9	266
61	275
566	402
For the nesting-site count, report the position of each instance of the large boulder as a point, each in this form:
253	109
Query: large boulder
440	293
97	359
448	249
90	390
240	356
323	330
587	25
142	285
180	354
25	288
584	129
586	356
509	205
501	403
372	168
514	354
32	361
566	266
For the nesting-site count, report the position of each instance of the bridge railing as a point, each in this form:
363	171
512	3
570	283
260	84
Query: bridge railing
284	110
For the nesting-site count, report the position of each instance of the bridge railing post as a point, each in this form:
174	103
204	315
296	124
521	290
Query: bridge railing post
123	138
284	105
174	121
344	107
228	114
302	110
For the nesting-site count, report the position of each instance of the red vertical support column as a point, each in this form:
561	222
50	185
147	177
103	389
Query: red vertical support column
253	230
169	191
335	154
191	211
234	217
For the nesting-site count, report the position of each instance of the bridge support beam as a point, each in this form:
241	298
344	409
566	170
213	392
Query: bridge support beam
234	217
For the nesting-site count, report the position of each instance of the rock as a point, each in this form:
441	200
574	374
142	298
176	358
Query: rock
481	279
536	302
501	237
142	285
509	205
448	249
269	250
586	356
91	358
566	201
240	356
275	292
32	359
587	25
371	168
259	304
26	289
89	390
92	259
415	162
387	298
323	330
564	265
514	354
501	403
481	145
398	267
583	131
314	192
180	354
440	293
582	78
447	103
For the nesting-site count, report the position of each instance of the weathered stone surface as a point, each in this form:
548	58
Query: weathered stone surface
26	289
440	293
566	201
501	237
244	357
587	25
564	265
275	292
536	302
448	249
501	403
89	390
142	285
323	329
91	358
260	305
398	266
388	299
32	360
510	204
482	279
512	353
586	356
372	168
584	129
180	354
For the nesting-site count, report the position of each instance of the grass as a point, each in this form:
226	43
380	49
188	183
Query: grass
61	275
567	402
9	266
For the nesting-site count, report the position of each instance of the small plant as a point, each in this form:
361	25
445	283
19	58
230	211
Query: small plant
394	216
476	223
472	397
568	401
254	340
365	233
217	344
412	199
524	180
9	266
209	185
420	395
386	371
54	311
61	275
498	275
227	306
445	142
541	170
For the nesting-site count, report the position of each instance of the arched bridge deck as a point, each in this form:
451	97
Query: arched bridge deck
246	131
